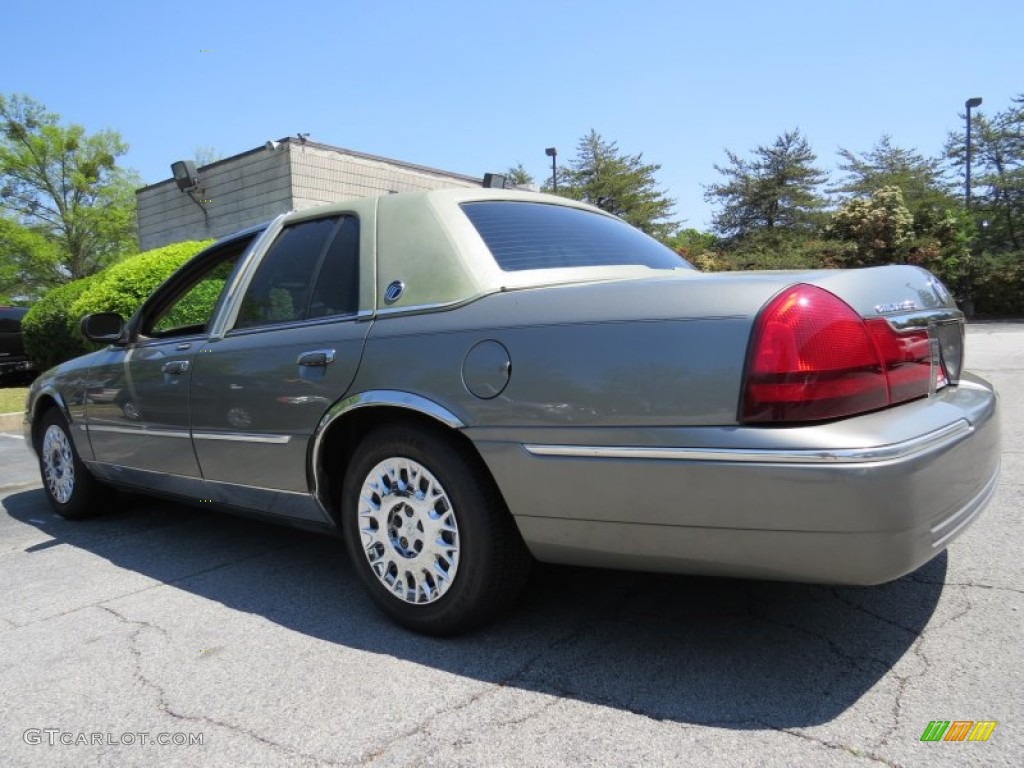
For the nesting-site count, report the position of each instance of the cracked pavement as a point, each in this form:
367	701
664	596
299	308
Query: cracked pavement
159	618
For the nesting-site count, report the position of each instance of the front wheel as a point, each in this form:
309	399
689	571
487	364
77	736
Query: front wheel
428	532
73	493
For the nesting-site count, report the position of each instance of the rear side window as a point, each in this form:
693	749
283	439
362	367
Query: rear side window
523	235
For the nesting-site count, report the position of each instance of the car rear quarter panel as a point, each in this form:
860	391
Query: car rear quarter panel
659	362
645	352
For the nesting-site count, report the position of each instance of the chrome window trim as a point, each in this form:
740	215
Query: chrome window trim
145	342
907	448
285	324
243	437
235	290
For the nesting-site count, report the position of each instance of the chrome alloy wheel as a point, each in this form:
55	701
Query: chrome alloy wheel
58	464
409	531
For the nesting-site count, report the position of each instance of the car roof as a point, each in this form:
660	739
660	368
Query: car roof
424	241
439	199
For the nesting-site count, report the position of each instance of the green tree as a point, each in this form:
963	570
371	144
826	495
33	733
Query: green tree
778	189
66	187
997	176
691	243
27	259
881	227
518	176
919	179
619	183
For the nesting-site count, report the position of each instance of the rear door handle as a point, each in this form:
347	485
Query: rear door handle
319	358
175	366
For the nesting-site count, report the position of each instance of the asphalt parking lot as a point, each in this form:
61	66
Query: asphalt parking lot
159	621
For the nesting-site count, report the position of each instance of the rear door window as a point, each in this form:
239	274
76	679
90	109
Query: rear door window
280	290
311	271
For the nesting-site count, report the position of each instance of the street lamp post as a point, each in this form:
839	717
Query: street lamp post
968	277
975	102
553	153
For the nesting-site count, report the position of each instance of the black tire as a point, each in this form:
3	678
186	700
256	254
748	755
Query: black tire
490	560
84	497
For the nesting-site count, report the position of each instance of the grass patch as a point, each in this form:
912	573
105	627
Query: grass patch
12	399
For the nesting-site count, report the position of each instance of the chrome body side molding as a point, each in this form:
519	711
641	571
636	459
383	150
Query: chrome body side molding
243	437
141	431
948	435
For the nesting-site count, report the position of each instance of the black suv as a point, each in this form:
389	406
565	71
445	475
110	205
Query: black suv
12	353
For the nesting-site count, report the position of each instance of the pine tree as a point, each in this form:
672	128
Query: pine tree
619	183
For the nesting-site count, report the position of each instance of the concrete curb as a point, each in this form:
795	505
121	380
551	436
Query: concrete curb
10	422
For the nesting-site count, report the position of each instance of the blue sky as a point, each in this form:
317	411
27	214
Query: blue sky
476	86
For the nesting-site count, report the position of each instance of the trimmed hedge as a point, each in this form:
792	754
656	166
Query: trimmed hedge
51	328
46	329
124	286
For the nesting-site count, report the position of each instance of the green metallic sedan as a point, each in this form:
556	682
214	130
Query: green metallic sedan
463	382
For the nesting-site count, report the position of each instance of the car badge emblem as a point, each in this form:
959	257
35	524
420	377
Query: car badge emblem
394	292
896	306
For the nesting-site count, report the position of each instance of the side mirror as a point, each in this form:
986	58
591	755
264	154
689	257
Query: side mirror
103	327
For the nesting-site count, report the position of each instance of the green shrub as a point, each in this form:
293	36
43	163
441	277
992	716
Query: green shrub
51	328
998	284
124	286
48	331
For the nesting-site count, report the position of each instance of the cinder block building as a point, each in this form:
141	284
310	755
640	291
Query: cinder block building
280	176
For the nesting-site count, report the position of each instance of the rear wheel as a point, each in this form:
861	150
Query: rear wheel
428	532
73	492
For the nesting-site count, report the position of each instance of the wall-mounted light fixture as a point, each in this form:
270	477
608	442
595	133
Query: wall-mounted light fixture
187	179
185	174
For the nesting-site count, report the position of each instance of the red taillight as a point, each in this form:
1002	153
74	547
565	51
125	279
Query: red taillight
812	357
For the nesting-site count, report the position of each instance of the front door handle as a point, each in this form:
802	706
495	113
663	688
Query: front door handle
319	358
175	366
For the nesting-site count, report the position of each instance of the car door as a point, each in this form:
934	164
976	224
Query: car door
137	398
292	349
